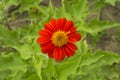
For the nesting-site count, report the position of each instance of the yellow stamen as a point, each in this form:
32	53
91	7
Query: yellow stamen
60	38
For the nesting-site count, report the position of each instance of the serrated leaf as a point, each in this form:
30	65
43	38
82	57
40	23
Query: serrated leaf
101	68
118	35
68	67
27	4
2	15
35	47
49	72
78	9
82	47
88	58
37	63
112	2
33	77
9	38
3	74
12	62
10	2
18	76
96	26
25	51
109	58
110	72
90	74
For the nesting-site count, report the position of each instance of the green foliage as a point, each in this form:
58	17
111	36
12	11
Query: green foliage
25	61
68	67
96	26
103	3
13	61
112	2
24	49
83	47
49	72
37	61
98	66
26	5
118	35
78	9
12	65
9	38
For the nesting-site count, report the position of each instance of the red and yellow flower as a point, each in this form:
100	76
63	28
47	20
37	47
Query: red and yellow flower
58	37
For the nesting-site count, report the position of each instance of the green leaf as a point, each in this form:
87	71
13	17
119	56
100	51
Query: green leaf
25	51
109	58
110	71
12	62
49	72
78	9
35	47
82	47
103	66
96	26
118	35
9	38
92	72
37	63
8	3
112	2
3	74
18	76
33	77
2	15
27	4
31	73
88	58
68	67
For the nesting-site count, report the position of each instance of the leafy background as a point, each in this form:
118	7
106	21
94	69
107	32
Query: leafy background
98	52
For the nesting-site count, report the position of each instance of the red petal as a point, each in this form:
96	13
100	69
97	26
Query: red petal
63	51
72	29
70	49
61	23
72	46
49	27
42	40
57	54
68	25
53	23
47	47
73	37
50	54
45	32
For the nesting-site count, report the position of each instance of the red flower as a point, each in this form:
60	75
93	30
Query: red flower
58	37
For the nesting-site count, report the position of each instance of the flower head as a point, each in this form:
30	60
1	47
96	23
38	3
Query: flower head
58	37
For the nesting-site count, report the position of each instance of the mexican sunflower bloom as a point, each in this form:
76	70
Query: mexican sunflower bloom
57	38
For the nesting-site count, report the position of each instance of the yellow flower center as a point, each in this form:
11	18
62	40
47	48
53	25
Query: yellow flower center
60	38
